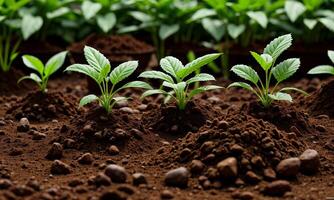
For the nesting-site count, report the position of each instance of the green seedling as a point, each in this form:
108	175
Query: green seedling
324	69
174	77
44	71
281	72
98	69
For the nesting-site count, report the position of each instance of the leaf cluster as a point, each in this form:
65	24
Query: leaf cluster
324	69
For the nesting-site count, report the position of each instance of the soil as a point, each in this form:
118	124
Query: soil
150	138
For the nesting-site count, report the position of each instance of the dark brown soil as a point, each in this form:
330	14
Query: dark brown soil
323	101
152	139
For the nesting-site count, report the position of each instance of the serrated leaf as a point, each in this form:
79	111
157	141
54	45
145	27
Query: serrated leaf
242	85
322	69
167	30
310	23
96	59
33	63
106	22
276	47
286	69
246	72
331	55
88	99
328	23
90	9
294	9
123	71
196	65
265	60
54	63
171	65
201	77
260	17
30	25
281	96
157	75
235	30
203	89
85	69
214	27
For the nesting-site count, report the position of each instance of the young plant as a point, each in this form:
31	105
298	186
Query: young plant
44	71
175	79
281	72
324	69
98	69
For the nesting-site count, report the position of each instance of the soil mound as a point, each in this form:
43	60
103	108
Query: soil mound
43	107
322	102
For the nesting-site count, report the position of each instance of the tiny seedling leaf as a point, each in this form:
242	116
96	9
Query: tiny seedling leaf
286	69
33	63
123	71
88	99
171	65
281	96
276	47
322	69
246	72
157	75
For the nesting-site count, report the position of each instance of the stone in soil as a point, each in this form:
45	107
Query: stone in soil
288	168
242	195
114	195
196	167
138	179
22	191
60	168
228	168
86	159
177	177
24	125
5	184
99	180
113	150
309	161
116	173
277	188
55	152
166	194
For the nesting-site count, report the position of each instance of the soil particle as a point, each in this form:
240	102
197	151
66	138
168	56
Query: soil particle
288	168
22	191
113	150
116	173
166	194
99	180
37	135
5	184
196	167
252	178
55	152
24	125
269	174
138	179
60	168
16	151
277	188
34	184
242	195
115	195
309	161
86	159
322	102
177	177
228	168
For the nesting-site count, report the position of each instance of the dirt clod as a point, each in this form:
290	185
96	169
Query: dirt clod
60	168
277	188
116	173
309	161
288	168
177	177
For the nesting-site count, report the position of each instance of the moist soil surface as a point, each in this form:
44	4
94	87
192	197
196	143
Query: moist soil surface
63	152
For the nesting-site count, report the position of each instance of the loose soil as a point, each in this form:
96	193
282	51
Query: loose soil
152	139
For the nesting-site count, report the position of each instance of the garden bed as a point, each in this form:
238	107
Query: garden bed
147	137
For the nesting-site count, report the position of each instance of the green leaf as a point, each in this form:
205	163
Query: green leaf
90	9
294	9
123	71
96	59
57	13
214	27
143	17
294	89
54	63
30	25
85	69
202	13
201	77
286	69
179	90
242	85
88	99
203	89
265	60
331	55
157	75
235	30
152	92
246	72
310	23
135	84
171	65
197	64
276	47
33	63
32	76
322	69
167	30
281	96
260	17
328	23
106	22
117	99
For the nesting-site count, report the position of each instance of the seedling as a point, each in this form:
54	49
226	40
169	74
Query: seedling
44	71
324	69
98	69
281	72
174	79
